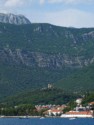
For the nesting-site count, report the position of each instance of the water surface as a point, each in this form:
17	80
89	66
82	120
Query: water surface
46	121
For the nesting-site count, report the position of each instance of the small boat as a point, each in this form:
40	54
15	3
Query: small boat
42	117
72	118
2	116
24	117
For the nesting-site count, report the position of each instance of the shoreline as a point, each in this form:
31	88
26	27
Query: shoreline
26	117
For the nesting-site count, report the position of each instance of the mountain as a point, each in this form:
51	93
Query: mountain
47	46
13	19
33	55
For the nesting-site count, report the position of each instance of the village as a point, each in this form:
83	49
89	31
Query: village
58	110
76	109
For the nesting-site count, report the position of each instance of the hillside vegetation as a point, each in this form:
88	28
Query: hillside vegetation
79	81
41	97
33	55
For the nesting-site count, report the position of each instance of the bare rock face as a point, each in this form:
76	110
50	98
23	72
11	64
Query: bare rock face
13	19
43	60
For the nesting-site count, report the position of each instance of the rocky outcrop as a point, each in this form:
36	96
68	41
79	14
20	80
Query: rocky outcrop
13	19
43	60
46	46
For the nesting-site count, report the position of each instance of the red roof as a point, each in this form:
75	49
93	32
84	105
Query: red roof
79	113
91	103
55	110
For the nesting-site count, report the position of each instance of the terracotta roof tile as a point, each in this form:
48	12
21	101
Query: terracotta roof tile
91	103
79	113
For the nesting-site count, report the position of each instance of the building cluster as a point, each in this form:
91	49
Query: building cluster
57	110
80	111
51	110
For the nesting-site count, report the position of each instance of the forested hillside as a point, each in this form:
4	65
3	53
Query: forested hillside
80	81
33	55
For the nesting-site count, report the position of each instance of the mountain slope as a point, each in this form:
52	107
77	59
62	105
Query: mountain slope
45	45
40	97
16	79
34	55
79	81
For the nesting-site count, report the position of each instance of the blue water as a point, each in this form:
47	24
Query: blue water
46	121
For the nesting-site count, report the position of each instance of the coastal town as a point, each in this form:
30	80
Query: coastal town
63	111
53	111
75	109
58	110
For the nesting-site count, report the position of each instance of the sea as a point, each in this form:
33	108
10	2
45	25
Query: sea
46	121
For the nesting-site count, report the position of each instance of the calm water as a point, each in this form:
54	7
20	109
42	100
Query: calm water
46	121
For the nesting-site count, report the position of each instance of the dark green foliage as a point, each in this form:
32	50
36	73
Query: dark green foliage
79	81
19	110
43	97
89	97
16	79
70	106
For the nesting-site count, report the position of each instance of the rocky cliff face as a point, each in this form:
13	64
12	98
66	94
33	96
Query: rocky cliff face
46	46
43	60
14	19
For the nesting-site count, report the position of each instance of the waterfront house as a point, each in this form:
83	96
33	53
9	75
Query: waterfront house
53	112
81	114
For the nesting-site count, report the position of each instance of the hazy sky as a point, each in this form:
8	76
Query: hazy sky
70	13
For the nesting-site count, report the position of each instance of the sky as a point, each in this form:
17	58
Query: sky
67	13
